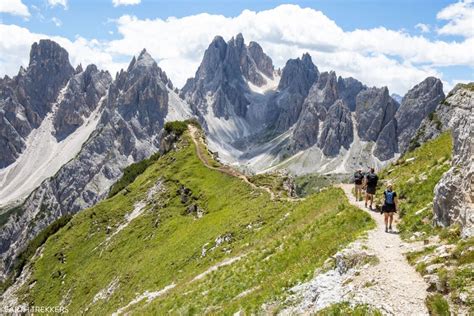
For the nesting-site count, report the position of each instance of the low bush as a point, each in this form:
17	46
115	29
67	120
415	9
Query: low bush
131	173
437	305
177	127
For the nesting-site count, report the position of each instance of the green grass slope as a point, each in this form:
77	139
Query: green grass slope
188	221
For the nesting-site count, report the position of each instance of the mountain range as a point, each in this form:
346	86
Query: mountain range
66	133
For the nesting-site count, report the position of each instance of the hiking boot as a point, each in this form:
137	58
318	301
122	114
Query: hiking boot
386	229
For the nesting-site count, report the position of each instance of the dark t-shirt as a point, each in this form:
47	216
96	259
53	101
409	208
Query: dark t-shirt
372	180
358	177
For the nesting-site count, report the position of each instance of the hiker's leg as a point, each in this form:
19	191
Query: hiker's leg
385	219
366	198
391	219
371	200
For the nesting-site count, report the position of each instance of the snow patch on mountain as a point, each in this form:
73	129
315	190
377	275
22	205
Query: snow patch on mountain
271	84
43	155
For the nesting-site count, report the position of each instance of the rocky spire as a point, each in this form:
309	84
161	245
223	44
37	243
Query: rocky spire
298	75
337	130
417	104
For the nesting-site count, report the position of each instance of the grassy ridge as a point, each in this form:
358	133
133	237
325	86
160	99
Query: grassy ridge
281	243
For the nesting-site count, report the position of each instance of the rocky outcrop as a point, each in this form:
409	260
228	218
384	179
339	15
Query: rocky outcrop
454	194
416	105
262	62
374	110
81	97
375	115
337	130
129	130
220	81
386	145
348	89
297	77
322	95
27	98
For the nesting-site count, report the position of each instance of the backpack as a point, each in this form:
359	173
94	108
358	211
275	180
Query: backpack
389	197
358	177
372	179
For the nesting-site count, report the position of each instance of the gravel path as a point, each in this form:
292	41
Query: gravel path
224	169
398	289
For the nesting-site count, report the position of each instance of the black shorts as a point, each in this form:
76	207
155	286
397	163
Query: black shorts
389	208
370	189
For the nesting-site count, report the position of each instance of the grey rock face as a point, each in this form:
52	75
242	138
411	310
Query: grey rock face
322	95
83	93
416	105
129	130
298	75
27	98
337	129
262	61
296	79
375	113
348	89
219	79
386	145
432	126
454	194
374	110
306	130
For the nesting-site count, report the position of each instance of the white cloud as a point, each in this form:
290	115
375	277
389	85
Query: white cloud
448	85
14	7
56	21
423	28
460	17
377	57
117	3
54	3
15	51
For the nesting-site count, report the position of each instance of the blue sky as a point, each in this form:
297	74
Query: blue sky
112	34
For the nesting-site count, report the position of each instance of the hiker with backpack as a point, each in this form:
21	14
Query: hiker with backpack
358	179
389	207
371	180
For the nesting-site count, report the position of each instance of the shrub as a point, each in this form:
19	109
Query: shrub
437	305
131	173
177	127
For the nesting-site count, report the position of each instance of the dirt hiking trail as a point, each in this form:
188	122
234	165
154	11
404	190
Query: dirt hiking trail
193	131
396	283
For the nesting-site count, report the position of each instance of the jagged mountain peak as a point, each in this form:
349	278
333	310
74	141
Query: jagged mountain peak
299	74
418	103
145	57
225	73
45	50
78	69
429	84
141	67
144	61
